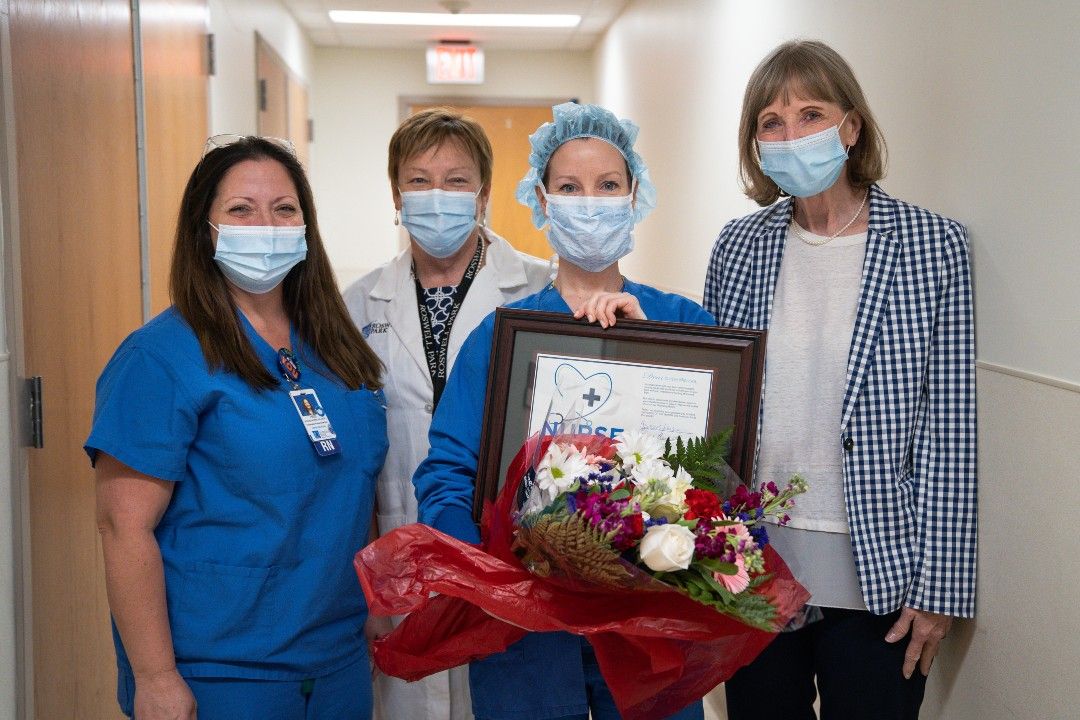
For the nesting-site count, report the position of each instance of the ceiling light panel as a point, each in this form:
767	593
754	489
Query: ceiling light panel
502	20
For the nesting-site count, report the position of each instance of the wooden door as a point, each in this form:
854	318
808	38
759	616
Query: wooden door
273	96
78	210
298	119
77	200
283	100
508	128
175	90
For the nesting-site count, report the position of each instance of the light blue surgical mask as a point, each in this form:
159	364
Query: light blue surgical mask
256	258
807	166
440	221
590	232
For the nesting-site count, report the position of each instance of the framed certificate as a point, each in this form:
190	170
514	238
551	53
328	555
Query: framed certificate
554	374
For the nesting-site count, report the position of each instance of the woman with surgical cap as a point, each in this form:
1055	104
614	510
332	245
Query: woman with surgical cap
590	188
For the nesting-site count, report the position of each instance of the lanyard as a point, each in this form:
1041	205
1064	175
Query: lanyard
436	353
308	407
290	367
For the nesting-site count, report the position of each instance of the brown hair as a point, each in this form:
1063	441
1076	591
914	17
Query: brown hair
310	294
816	69
431	128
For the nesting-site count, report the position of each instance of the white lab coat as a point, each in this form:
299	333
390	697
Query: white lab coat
383	306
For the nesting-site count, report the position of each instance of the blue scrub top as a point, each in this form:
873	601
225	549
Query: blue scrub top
541	675
258	538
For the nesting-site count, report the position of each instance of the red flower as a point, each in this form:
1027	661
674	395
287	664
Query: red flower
702	504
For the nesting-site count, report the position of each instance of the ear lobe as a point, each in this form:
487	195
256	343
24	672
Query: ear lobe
482	203
856	129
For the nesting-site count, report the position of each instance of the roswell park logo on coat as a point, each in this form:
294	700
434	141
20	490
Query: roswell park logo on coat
374	328
602	397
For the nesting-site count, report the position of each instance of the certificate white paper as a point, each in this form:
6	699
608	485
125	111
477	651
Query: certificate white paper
576	395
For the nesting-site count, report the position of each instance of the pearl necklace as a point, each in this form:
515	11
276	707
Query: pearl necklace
817	242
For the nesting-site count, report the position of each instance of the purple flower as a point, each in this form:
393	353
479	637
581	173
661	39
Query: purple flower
608	515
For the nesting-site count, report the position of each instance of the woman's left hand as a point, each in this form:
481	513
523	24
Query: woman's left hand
927	631
604	307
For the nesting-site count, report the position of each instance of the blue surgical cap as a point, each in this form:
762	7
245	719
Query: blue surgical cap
572	120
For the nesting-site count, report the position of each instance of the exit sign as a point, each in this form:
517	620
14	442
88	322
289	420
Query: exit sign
455	64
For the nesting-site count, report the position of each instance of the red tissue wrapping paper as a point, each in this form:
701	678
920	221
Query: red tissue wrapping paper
657	649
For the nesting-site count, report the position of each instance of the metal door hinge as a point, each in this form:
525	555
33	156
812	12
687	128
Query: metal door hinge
262	94
34	402
211	59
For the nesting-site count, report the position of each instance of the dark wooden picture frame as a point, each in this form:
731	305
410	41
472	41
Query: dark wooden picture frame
735	356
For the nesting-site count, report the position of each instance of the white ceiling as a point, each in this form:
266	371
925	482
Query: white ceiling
596	15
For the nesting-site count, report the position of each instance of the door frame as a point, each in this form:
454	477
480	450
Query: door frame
15	542
405	101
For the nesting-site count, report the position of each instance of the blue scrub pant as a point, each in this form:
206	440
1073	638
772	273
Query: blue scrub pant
343	695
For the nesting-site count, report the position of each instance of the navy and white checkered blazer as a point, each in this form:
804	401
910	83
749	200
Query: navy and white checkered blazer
908	427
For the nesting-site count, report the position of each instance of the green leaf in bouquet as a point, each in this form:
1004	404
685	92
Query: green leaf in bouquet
714	585
725	568
620	494
704	458
671	513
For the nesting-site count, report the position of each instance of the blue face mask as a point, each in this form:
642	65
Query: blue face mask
590	232
806	166
256	258
440	221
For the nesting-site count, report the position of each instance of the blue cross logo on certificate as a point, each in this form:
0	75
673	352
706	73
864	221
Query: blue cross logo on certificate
595	389
591	397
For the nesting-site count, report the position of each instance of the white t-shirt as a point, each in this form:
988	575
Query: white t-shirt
813	317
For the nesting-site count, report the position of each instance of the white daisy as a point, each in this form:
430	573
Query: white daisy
560	468
635	448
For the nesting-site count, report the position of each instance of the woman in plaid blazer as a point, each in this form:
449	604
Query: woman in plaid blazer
869	393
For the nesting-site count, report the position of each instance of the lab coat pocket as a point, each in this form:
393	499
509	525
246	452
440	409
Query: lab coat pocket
221	606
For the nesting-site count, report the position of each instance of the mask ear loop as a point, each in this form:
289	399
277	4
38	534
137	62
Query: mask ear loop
547	203
847	149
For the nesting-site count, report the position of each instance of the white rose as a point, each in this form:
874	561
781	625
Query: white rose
666	548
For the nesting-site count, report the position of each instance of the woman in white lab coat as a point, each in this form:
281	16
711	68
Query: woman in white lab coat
415	312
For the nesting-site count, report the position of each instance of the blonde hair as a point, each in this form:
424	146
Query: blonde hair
431	128
818	71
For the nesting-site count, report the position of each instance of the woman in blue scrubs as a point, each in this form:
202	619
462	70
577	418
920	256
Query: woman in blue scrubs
590	187
228	512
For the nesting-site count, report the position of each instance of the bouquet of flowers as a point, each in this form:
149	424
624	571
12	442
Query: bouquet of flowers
603	512
629	543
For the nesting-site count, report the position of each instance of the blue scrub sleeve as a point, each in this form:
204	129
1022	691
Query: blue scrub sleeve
141	416
444	481
698	315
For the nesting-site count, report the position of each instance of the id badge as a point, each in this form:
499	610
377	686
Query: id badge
316	423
